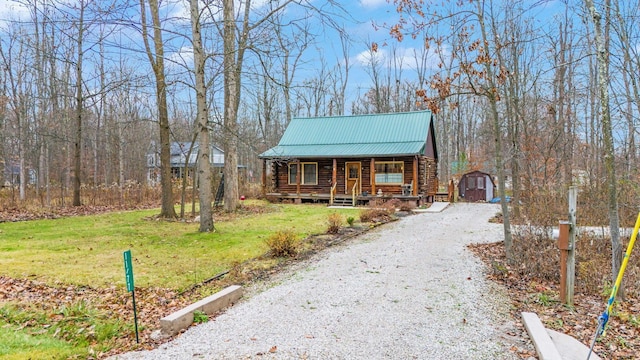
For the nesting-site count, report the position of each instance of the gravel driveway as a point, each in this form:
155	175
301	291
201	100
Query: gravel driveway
408	290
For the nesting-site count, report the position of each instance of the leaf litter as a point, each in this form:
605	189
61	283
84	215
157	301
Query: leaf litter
541	296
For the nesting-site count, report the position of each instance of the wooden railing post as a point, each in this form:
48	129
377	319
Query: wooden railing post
353	193
567	245
563	245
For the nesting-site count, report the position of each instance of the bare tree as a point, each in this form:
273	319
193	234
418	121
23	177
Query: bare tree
490	90
602	59
13	55
77	145
202	114
479	67
156	58
234	53
631	63
233	57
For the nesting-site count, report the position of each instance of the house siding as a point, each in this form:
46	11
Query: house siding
427	176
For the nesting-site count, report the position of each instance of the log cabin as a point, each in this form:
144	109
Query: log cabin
354	159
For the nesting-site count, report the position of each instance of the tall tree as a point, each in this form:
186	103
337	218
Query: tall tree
490	90
479	71
631	62
202	114
77	144
233	57
14	58
156	58
235	48
602	59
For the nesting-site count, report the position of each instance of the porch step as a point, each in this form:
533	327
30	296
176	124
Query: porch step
342	202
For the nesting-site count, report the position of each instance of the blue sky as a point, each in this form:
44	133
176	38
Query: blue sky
359	24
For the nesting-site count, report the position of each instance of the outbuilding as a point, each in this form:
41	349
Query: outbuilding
476	186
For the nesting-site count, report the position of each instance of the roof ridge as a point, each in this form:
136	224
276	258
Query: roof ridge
360	115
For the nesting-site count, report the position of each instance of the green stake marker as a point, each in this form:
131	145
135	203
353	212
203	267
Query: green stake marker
128	271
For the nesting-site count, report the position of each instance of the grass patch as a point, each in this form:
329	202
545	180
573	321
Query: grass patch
72	271
19	345
70	331
87	250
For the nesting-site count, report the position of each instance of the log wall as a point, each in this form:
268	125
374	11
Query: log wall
427	176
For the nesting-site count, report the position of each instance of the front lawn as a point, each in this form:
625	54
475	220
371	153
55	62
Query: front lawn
87	250
62	281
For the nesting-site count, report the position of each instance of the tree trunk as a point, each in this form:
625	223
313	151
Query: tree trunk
602	59
77	145
231	98
202	113
497	133
633	93
157	63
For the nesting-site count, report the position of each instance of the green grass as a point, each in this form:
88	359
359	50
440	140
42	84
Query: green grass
28	332
19	345
87	250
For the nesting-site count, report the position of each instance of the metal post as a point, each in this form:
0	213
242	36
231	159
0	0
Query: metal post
564	246
135	315
571	259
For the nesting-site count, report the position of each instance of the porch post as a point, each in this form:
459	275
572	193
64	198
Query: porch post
298	200
334	172
415	176
264	177
372	176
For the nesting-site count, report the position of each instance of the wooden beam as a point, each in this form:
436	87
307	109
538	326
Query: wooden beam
415	176
334	172
298	177
372	177
264	177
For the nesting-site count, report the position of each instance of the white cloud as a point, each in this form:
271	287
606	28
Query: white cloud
407	58
181	58
428	58
177	11
180	10
367	57
372	4
12	10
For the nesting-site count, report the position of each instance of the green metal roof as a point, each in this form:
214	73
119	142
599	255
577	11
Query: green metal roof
397	134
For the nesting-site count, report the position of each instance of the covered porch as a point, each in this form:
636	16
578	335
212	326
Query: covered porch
348	181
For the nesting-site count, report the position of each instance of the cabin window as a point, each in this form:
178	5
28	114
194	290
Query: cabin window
309	174
481	183
389	172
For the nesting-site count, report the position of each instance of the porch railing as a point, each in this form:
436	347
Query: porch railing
353	193
332	193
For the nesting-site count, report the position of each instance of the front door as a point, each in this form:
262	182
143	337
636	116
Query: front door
475	189
352	175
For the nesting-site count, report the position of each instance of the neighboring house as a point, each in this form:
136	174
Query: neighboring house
476	186
179	152
355	157
12	175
